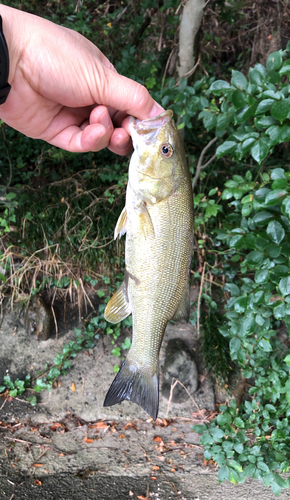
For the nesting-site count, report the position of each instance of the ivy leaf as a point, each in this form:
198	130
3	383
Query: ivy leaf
275	231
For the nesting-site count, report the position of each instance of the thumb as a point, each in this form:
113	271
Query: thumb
128	96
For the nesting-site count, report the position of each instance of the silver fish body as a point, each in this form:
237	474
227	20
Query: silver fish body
158	221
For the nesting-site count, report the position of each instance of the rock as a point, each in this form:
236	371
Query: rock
179	364
38	319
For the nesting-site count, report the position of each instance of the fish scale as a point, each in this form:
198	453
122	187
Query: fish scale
158	222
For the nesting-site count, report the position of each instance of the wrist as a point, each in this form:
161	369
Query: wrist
11	30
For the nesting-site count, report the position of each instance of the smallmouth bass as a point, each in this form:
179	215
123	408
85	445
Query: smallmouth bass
158	222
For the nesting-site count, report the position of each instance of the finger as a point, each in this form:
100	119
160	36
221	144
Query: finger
127	95
93	138
120	142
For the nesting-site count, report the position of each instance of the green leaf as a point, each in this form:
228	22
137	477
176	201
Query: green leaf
116	351
223	473
278	173
209	120
286	206
254	258
217	434
262	276
255	76
226	148
239	80
238	422
199	428
275	231
100	293
259	151
279	311
265	345
239	99
280	109
32	400
284	286
275	197
274	61
262	218
285	134
264	106
240	304
126	344
233	463
247	209
245	113
219	86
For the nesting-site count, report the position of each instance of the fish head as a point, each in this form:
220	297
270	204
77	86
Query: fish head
158	150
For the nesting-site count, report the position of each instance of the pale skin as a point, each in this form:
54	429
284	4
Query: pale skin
65	91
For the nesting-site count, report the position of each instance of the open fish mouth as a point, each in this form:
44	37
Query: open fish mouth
148	130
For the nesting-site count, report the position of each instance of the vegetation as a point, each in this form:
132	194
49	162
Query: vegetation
58	210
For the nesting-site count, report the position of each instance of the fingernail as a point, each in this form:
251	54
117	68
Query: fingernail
155	110
106	120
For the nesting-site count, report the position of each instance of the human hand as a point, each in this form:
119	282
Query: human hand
65	91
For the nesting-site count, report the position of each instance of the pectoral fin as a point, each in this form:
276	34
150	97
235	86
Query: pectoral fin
120	228
146	222
119	307
183	310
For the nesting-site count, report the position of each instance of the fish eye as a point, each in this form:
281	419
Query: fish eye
166	150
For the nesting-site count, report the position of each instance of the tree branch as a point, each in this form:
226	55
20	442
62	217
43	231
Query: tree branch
199	166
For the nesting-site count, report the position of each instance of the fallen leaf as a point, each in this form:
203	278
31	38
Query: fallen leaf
55	426
130	425
153	478
172	443
37	465
98	425
204	462
157	439
131	493
88	440
73	387
155	467
143	498
172	470
122	436
37	482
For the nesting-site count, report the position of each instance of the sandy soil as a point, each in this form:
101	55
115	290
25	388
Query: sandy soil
70	447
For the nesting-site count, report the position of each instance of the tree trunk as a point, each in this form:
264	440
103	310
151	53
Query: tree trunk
188	35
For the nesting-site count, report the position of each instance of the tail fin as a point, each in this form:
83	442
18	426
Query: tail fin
135	385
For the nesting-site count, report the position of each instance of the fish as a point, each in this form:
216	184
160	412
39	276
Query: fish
159	226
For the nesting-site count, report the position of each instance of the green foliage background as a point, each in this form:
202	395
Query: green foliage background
64	206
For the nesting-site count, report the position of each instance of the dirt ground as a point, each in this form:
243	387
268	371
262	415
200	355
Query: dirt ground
70	447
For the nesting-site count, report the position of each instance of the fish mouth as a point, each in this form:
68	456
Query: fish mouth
148	130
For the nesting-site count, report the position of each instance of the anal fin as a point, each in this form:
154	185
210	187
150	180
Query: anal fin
118	307
182	312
